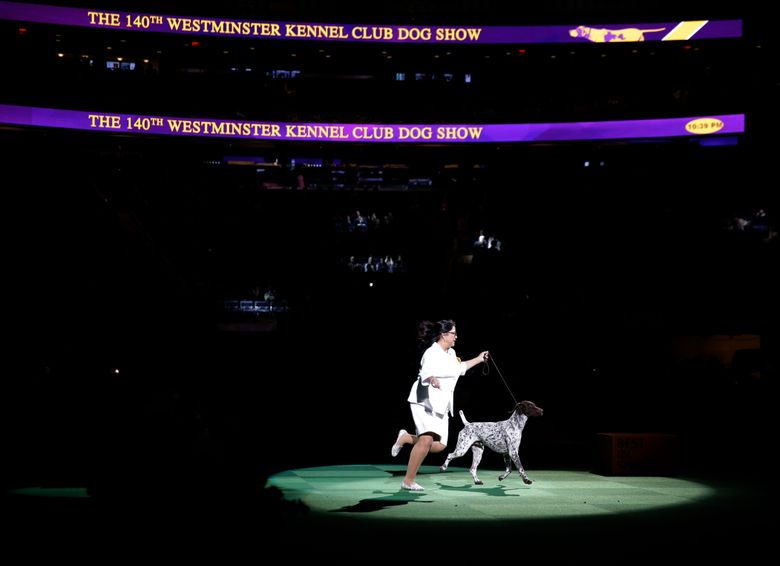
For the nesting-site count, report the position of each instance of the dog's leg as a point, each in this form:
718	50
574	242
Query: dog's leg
463	444
446	463
508	465
477	449
519	466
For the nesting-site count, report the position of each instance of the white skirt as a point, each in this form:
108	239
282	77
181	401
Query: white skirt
430	422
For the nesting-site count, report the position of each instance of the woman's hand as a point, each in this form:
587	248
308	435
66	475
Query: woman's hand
484	356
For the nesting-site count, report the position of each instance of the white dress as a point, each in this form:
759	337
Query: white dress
431	406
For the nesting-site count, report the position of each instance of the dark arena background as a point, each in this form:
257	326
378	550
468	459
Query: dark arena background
210	339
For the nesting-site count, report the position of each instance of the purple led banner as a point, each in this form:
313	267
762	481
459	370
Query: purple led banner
397	133
193	25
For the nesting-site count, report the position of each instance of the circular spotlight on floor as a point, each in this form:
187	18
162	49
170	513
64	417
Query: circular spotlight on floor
374	491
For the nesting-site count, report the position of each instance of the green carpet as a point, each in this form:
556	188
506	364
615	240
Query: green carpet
374	491
358	513
565	516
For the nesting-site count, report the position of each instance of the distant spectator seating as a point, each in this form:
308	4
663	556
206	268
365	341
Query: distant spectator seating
262	306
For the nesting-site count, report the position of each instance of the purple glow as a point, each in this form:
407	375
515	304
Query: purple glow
396	133
194	25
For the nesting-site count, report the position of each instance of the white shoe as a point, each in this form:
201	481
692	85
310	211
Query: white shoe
397	446
413	487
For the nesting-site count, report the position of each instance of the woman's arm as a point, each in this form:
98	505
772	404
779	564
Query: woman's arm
482	357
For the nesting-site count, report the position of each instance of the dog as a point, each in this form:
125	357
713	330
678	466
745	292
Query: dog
502	437
602	35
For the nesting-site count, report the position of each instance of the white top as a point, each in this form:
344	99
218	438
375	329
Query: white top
445	366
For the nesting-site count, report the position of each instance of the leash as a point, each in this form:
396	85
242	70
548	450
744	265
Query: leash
486	371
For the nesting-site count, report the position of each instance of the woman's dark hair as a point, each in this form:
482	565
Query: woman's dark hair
429	332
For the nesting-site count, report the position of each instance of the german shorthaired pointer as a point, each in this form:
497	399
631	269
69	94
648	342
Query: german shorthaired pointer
502	437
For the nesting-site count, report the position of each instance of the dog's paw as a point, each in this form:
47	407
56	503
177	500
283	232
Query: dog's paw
443	469
479	482
527	480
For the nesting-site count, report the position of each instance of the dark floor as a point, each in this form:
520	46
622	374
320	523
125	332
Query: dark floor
734	526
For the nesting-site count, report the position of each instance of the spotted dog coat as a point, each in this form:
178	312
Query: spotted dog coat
502	437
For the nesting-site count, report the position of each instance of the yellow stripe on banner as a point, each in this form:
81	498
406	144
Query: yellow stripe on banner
684	30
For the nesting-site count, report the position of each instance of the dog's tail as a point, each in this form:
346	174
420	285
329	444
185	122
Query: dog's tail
463	417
